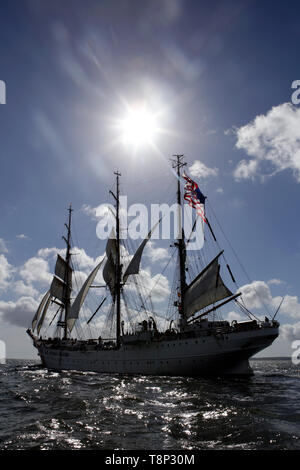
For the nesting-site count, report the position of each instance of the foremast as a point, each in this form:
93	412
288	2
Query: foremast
180	244
60	290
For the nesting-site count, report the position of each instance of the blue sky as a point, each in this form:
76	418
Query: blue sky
208	70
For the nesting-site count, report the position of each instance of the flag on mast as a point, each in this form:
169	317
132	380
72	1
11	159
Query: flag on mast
194	196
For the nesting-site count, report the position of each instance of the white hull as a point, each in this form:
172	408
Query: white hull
225	354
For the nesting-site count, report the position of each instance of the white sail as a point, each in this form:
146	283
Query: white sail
39	310
40	323
77	304
57	289
62	270
134	265
109	270
206	289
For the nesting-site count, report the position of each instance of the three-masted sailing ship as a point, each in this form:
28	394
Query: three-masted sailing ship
196	343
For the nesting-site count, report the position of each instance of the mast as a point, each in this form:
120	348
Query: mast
67	300
118	263
178	164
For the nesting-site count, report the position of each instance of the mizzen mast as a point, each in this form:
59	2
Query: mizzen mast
67	296
177	165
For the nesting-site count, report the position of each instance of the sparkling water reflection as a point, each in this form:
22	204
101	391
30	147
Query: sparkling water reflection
73	410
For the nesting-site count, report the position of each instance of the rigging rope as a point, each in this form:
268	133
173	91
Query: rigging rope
238	260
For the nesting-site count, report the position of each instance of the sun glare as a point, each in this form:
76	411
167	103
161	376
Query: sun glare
138	128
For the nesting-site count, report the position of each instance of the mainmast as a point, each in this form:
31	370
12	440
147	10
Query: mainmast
67	300
118	263
178	164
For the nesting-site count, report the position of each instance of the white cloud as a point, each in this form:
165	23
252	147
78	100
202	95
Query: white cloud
3	247
157	286
276	282
290	305
36	270
50	252
105	215
155	253
200	170
290	332
33	277
91	211
234	316
220	190
6	271
23	289
246	170
19	313
98	212
21	236
80	258
80	277
258	294
272	141
231	131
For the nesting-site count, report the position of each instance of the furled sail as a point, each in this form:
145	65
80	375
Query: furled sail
77	304
40	323
39	310
62	269
109	270
206	289
134	265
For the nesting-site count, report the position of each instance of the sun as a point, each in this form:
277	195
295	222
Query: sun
138	128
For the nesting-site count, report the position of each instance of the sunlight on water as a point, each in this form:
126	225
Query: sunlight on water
71	410
217	414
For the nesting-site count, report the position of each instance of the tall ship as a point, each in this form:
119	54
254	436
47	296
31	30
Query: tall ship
190	338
